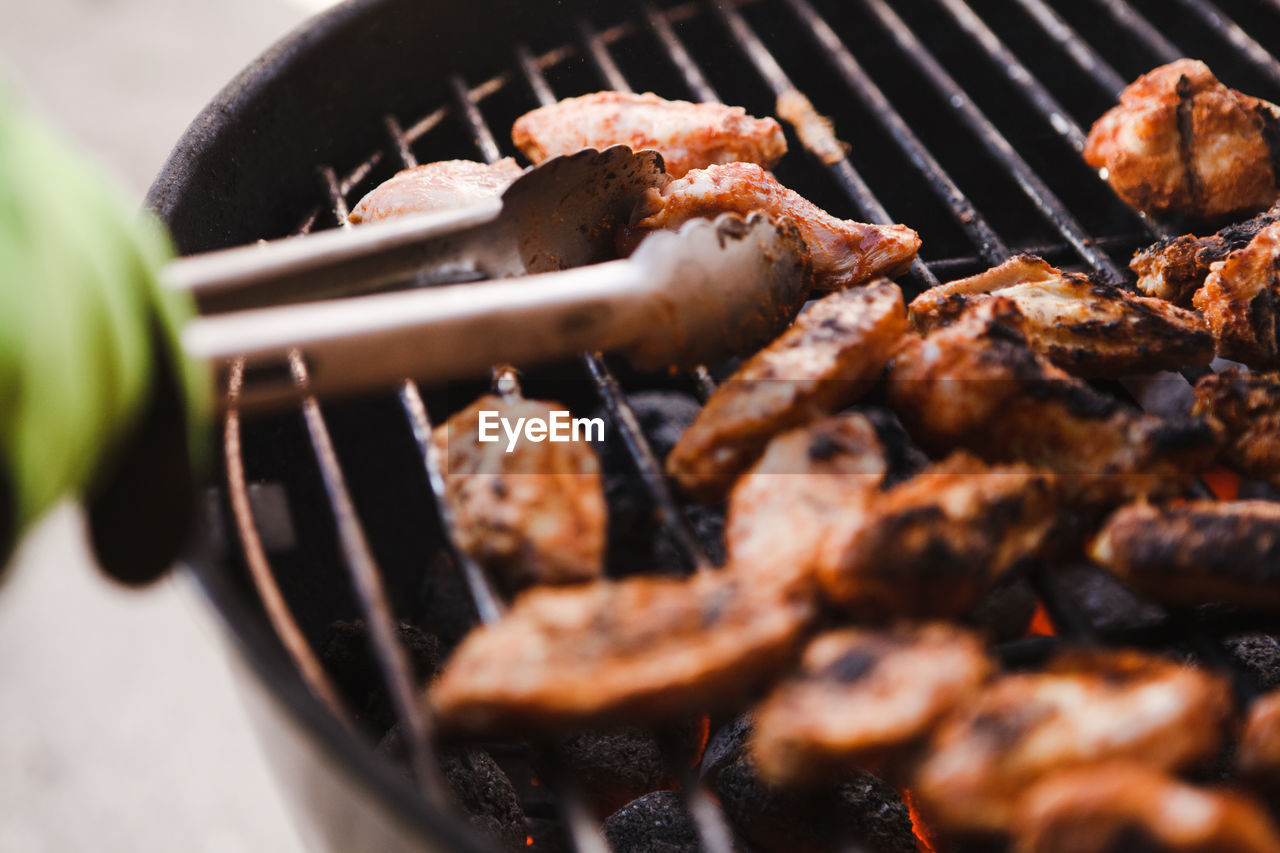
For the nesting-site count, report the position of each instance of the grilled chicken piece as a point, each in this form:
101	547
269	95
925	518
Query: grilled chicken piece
433	187
1241	301
636	650
535	515
1258	753
1182	143
1125	806
845	253
1086	328
1196	552
811	482
1088	707
1175	268
1245	408
976	384
828	358
931	546
689	136
863	697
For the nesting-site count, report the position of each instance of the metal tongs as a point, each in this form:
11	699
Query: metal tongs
707	291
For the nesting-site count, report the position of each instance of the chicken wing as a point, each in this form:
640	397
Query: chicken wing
829	357
1125	806
635	650
1245	408
689	136
1175	268
862	697
444	185
976	384
1258	753
931	546
1196	552
1240	300
1084	327
1088	707
1182	143
534	515
845	253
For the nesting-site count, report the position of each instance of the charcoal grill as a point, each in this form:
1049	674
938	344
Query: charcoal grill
962	119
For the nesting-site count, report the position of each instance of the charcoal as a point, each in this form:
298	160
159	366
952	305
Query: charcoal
348	658
1005	612
655	823
861	811
615	767
1258	654
547	835
447	605
1105	604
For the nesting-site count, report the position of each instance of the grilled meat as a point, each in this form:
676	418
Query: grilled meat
534	515
1125	806
635	650
1245	408
1258	753
1086	328
1086	708
810	483
689	136
1180	142
830	356
931	546
1196	552
862	697
433	187
845	253
977	384
1176	267
1240	299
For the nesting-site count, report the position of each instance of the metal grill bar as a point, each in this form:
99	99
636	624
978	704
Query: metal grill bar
1133	21
1088	59
600	57
484	140
1229	30
675	51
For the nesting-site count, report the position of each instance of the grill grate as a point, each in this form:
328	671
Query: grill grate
740	45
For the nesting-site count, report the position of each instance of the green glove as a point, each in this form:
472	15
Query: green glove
86	336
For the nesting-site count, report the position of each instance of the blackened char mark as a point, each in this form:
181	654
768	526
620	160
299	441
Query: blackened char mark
1186	137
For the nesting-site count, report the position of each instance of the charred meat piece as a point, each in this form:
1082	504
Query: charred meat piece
830	356
433	187
689	136
1084	327
1125	806
532	516
634	650
1088	707
1182	143
1245	407
1196	552
1176	267
1240	299
931	546
844	253
1258	754
977	384
862	697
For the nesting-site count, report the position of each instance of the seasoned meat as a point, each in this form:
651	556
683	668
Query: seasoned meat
689	136
1182	143
534	515
931	546
433	187
1196	552
862	697
810	484
1258	754
829	357
1245	408
1176	267
1086	328
1088	707
977	384
1123	806
845	253
635	650
1240	299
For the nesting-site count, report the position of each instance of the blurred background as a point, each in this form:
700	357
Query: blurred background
120	728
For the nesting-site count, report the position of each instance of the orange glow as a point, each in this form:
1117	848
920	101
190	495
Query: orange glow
1224	484
1041	625
703	733
528	841
923	834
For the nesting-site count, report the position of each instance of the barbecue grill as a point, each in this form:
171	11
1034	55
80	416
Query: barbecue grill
964	120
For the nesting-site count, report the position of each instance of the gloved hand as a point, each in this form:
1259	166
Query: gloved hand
95	398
